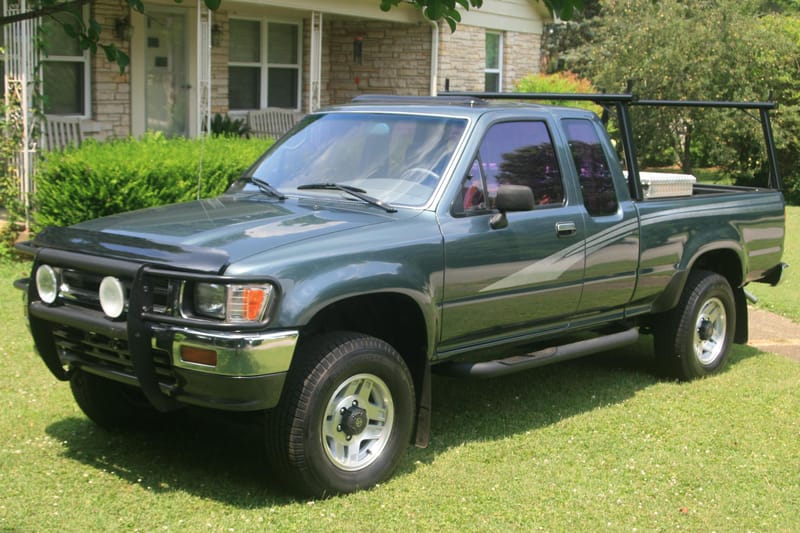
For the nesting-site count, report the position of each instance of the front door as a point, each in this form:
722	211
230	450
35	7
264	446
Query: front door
503	283
167	88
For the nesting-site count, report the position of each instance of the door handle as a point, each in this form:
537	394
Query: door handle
566	229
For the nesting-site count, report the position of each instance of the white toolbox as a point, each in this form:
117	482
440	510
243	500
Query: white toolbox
665	185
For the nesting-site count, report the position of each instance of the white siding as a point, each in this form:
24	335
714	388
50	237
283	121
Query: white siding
525	16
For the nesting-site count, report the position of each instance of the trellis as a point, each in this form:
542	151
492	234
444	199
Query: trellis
21	59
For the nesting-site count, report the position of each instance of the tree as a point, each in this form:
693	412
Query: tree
89	37
702	50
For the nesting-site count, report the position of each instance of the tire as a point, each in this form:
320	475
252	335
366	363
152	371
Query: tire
109	404
346	416
694	339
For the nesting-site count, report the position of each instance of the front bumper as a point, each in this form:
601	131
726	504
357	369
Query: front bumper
145	349
249	374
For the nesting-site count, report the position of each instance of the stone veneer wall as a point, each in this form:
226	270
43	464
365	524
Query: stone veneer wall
462	57
395	59
219	65
522	55
110	89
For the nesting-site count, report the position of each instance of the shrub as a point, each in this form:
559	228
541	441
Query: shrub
229	127
100	179
560	82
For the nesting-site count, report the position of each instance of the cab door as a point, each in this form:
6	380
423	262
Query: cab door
528	276
612	223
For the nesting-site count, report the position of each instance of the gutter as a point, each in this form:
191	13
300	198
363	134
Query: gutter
434	56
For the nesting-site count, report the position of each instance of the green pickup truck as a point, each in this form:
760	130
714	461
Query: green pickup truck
383	240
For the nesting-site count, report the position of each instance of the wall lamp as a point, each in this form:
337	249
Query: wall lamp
216	35
122	29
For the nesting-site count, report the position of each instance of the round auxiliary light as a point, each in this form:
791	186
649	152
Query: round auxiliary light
47	284
112	296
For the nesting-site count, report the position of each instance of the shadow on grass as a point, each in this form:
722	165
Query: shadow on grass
222	457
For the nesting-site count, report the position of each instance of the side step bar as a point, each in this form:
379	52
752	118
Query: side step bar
510	365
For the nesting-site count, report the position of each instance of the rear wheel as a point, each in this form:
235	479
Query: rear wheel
109	404
694	339
346	416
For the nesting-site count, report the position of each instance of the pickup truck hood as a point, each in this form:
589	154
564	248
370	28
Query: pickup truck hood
208	235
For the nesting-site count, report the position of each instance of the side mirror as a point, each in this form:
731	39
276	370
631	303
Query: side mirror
511	198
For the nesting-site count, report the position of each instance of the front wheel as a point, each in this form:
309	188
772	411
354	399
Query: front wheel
109	404
346	416
694	339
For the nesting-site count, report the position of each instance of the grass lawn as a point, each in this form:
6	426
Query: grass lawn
783	299
595	444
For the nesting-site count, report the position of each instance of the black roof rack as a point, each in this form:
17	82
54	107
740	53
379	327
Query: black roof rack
603	98
420	100
623	101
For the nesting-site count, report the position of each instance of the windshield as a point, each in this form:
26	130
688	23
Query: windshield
397	159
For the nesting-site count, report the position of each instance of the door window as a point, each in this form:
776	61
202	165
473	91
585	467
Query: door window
513	153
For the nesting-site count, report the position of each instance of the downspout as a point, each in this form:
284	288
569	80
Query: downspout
434	56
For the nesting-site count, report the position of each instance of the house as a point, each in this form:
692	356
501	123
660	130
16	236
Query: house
188	63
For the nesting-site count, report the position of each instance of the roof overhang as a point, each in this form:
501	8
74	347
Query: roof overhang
363	9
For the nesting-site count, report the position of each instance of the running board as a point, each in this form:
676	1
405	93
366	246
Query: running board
510	365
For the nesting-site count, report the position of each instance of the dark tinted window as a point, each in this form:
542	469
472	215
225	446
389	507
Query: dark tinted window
591	164
516	153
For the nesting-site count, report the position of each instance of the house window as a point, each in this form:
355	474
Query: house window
494	62
263	64
65	69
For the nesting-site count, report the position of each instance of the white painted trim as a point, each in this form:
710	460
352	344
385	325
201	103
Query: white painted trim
369	9
434	57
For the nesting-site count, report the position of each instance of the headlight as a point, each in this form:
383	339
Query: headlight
232	303
47	283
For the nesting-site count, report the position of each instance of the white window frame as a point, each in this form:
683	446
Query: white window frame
84	58
499	69
264	65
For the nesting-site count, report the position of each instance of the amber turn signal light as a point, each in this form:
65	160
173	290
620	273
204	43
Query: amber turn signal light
200	356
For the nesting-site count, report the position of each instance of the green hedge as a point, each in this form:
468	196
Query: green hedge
100	179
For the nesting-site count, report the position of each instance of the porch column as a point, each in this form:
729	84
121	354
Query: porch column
203	70
315	83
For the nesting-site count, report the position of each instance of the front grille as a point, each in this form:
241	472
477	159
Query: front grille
105	353
82	288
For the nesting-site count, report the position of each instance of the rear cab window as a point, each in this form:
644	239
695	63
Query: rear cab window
593	171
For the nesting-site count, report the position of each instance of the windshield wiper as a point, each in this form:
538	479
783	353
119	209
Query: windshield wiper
265	187
353	191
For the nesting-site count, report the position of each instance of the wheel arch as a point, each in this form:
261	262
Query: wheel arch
396	318
726	261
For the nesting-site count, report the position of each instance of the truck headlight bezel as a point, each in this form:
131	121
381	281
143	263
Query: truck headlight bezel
231	303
